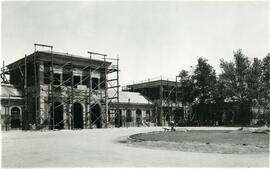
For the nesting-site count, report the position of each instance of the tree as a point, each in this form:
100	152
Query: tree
235	78
242	65
266	76
254	81
227	79
186	87
266	88
204	79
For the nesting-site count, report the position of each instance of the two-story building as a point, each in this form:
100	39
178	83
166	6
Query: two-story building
165	96
56	90
63	91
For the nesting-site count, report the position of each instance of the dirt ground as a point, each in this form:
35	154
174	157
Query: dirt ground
236	142
101	148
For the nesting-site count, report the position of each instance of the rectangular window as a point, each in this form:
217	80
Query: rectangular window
76	81
102	83
57	79
95	83
67	78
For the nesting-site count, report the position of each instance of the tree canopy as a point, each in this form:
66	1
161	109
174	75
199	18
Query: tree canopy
241	80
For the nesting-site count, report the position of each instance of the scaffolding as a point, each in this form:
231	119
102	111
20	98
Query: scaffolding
22	83
169	95
66	87
166	97
113	85
110	84
4	74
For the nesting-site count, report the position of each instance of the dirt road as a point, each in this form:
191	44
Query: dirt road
100	148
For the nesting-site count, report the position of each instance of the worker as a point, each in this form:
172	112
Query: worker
172	125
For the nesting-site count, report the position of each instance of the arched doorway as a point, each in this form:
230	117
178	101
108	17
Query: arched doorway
57	116
138	117
118	118
128	116
78	115
15	118
147	116
96	116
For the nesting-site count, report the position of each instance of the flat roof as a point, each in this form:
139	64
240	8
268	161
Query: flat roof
59	58
155	83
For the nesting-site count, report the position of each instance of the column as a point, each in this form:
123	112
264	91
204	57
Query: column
124	115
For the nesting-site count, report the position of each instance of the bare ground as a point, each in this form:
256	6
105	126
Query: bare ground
101	148
227	142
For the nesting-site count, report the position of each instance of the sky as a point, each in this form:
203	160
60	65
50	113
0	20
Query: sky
150	38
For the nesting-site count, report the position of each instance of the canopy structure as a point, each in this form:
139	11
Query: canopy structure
10	92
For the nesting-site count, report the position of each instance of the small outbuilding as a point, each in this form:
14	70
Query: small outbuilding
134	109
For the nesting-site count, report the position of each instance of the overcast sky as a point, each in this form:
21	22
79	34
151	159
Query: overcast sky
151	38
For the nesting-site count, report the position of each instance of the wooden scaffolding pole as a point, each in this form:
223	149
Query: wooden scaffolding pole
106	93
90	92
72	94
9	113
52	91
161	101
25	93
119	115
36	93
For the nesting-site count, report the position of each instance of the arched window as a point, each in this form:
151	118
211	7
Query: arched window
138	116
15	118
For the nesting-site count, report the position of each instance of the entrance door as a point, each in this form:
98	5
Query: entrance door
78	115
96	119
118	119
138	117
57	116
15	118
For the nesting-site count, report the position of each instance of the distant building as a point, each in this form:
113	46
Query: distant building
11	107
135	110
165	95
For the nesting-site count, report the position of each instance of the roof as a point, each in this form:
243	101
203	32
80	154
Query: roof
130	97
9	91
59	54
155	83
59	58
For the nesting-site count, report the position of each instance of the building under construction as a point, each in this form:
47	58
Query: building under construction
165	95
53	90
62	91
